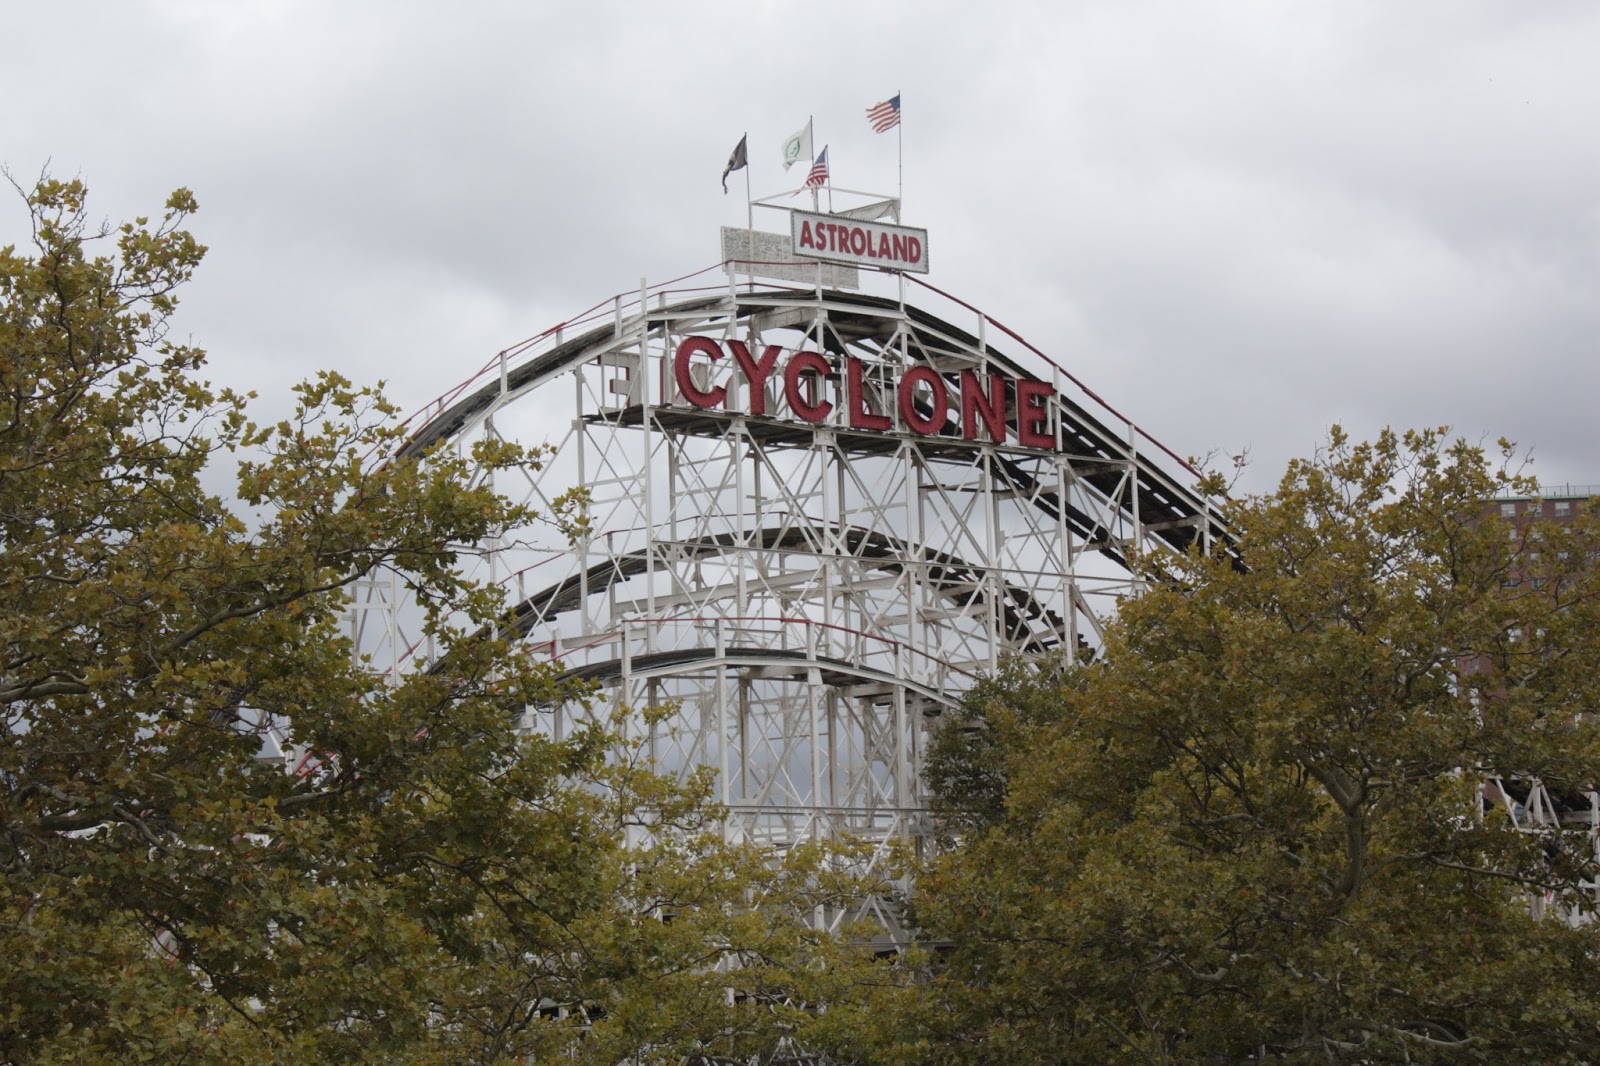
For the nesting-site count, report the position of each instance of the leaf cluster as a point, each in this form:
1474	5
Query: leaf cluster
423	881
1257	828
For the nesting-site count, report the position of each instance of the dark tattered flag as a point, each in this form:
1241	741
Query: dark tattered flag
736	161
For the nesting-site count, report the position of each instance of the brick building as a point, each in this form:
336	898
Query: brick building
1526	800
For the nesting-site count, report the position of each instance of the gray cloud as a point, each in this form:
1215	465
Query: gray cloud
1238	223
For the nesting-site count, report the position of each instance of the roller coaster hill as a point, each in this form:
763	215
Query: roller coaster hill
825	497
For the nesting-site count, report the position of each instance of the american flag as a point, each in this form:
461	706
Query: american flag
819	170
885	116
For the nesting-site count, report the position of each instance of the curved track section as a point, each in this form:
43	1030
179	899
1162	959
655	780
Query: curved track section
816	517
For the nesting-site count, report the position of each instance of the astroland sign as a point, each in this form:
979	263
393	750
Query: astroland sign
847	240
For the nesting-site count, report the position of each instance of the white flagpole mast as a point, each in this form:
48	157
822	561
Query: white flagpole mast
750	226
900	160
812	148
830	186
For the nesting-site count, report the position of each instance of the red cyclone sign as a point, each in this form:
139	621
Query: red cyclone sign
980	407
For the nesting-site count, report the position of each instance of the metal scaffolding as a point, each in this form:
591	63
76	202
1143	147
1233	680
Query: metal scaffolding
808	594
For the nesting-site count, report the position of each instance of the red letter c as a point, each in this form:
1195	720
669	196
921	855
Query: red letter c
680	370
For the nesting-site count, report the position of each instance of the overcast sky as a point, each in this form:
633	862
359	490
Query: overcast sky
1239	222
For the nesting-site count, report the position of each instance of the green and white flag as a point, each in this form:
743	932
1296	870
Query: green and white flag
797	149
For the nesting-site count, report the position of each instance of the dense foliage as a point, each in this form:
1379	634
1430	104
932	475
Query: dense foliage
1254	829
1251	830
436	888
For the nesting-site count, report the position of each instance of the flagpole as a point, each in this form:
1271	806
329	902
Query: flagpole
811	127
900	161
749	228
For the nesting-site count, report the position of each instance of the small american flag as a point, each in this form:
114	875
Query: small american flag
885	116
819	170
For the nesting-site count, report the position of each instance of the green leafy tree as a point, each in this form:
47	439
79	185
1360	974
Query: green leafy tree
1253	831
437	887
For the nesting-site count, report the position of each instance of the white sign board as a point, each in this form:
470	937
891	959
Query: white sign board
847	240
767	255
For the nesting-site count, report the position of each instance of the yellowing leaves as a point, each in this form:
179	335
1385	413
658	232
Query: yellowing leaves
1272	769
348	868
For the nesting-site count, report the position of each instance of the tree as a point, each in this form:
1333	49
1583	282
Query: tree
1252	830
438	888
